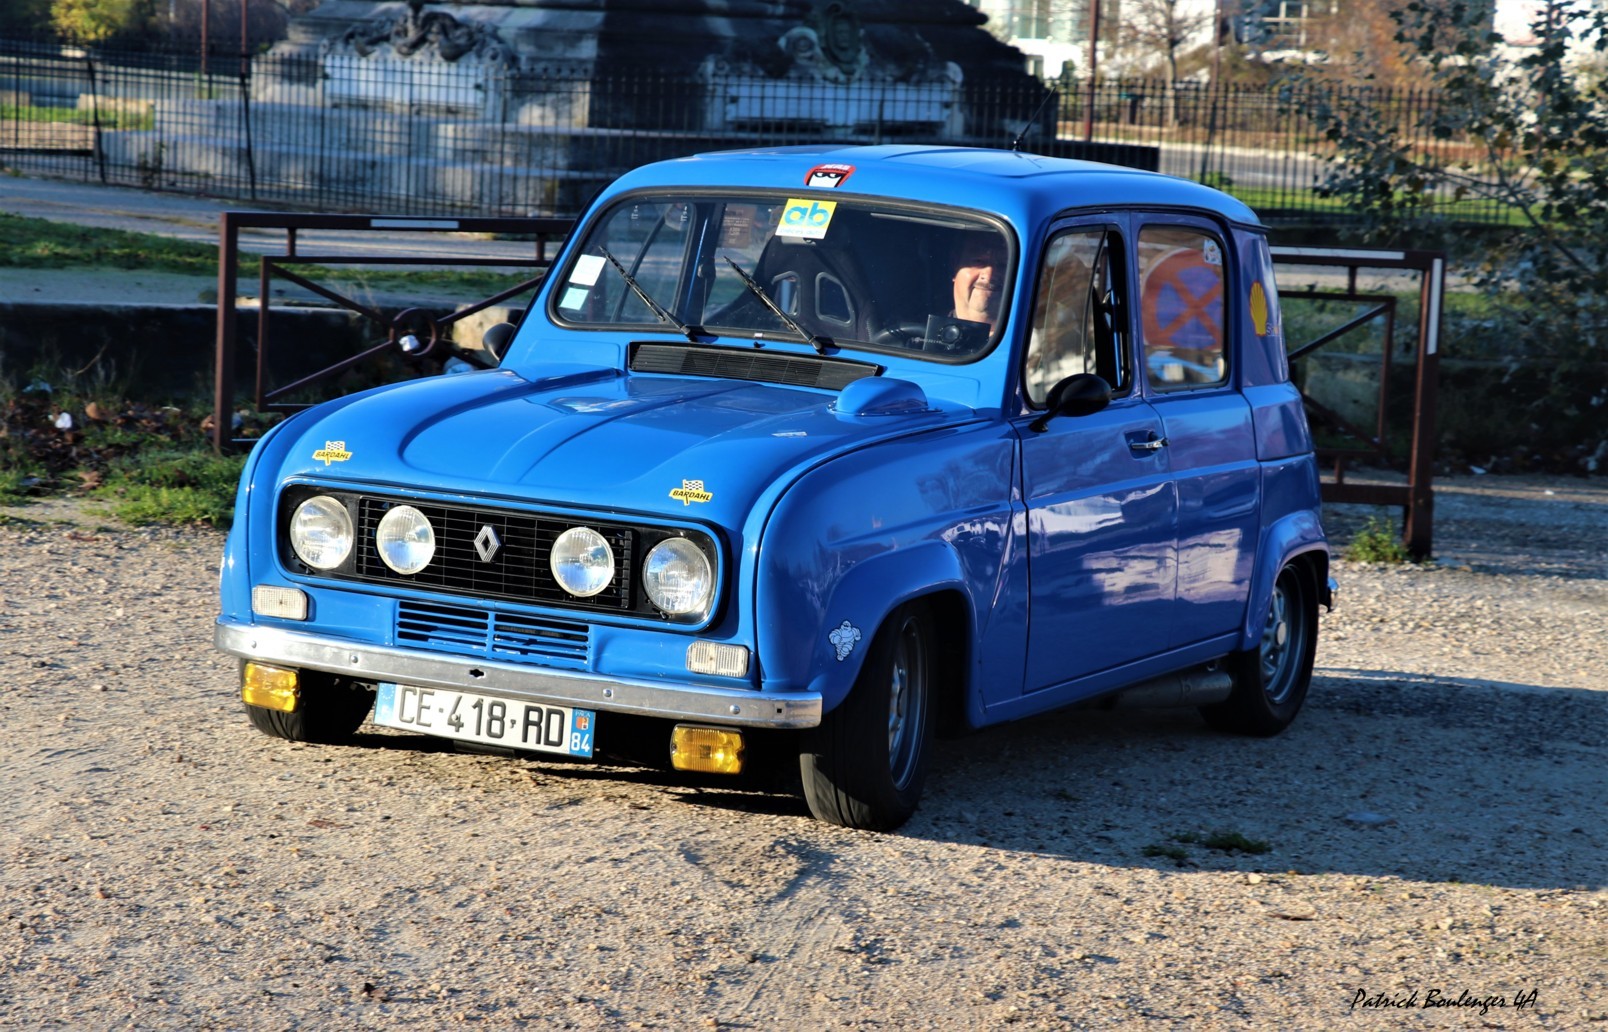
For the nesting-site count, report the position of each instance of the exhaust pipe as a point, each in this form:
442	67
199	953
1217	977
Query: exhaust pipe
1188	688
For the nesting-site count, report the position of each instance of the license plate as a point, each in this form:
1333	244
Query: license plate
470	717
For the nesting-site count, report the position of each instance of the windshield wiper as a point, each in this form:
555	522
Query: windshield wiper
818	342
692	333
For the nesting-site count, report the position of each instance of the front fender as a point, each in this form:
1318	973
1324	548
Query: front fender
858	535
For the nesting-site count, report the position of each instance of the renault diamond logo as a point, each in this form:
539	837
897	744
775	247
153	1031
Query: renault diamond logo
486	543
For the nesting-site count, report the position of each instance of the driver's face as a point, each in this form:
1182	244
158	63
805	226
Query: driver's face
977	283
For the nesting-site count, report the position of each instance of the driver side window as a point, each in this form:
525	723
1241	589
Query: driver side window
1077	313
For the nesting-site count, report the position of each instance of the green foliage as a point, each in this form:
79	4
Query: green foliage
153	464
173	487
111	118
1530	133
96	20
41	244
1377	542
25	17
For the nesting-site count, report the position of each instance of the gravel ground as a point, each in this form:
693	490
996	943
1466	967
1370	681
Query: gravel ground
1437	848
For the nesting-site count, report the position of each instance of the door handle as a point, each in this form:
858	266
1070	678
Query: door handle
1149	444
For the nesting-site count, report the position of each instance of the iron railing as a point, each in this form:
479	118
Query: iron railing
338	133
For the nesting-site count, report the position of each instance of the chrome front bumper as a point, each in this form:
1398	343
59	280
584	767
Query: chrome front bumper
522	683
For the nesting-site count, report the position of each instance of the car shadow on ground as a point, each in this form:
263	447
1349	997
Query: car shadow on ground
1384	775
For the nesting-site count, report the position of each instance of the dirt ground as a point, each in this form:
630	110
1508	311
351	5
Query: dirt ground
1436	843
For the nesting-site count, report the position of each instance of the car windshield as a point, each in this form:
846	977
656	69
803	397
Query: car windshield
850	272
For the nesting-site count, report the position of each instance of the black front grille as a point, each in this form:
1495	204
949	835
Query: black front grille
518	570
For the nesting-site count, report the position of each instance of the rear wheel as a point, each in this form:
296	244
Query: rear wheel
331	710
1271	681
865	765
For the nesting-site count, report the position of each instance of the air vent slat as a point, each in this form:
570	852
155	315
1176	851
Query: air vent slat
727	363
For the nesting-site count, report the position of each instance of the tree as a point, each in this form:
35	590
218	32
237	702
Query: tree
96	20
25	17
1162	29
1527	130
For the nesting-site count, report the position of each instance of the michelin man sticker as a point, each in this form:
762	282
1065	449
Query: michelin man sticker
843	638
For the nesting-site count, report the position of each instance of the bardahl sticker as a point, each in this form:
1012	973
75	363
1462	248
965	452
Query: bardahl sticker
830	175
333	451
691	491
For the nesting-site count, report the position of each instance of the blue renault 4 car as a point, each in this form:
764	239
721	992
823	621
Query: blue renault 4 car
812	453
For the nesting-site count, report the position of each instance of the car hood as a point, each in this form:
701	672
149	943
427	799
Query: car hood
590	437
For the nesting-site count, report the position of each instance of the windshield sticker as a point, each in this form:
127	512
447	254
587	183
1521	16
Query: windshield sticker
587	269
843	638
333	451
806	219
691	491
574	297
1259	309
1213	254
828	175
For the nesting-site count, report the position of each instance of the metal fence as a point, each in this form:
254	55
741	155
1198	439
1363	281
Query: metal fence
333	132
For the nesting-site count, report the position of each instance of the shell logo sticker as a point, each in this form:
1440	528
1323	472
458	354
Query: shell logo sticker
333	451
1259	309
831	175
691	491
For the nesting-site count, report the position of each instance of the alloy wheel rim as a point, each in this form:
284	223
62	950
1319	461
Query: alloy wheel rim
907	698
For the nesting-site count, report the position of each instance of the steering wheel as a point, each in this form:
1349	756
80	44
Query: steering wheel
901	335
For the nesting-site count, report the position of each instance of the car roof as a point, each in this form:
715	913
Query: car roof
1017	185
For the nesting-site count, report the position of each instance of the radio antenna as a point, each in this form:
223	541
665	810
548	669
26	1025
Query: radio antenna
1016	144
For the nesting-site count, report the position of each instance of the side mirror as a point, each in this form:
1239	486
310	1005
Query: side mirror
1081	394
496	340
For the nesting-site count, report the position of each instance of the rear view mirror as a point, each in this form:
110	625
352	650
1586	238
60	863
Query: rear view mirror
1081	394
496	340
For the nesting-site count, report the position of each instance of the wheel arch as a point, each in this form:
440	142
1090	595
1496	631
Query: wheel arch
1297	541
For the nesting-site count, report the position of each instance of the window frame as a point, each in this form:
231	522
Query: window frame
1115	229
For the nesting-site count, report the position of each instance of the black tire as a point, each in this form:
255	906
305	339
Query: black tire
332	709
1271	680
865	765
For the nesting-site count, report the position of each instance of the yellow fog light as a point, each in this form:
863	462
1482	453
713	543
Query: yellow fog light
712	750
270	687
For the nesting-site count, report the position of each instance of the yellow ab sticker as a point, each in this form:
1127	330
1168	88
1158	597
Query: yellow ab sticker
805	218
691	491
333	451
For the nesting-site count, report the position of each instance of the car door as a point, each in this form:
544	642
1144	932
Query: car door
1097	488
1185	328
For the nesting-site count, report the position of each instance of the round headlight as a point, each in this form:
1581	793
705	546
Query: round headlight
405	539
677	577
582	562
321	532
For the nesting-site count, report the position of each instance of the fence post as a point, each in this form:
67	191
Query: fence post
245	118
94	107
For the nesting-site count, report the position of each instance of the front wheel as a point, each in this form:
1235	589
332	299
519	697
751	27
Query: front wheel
1271	681
865	765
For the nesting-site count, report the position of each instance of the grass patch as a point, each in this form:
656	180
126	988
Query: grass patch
113	116
29	243
1220	841
1376	542
173	487
151	464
